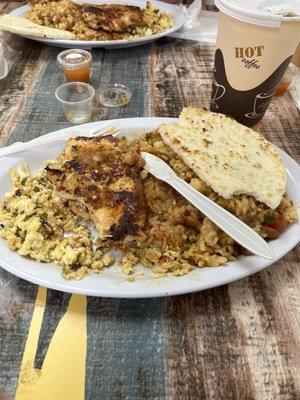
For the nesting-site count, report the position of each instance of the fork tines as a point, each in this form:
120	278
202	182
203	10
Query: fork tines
112	130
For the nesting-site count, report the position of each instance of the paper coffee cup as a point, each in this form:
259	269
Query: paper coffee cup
254	48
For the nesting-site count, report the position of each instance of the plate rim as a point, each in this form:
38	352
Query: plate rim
106	43
127	292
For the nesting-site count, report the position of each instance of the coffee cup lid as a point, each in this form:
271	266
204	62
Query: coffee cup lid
261	12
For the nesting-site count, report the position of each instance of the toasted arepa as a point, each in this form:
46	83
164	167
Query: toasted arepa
23	26
229	157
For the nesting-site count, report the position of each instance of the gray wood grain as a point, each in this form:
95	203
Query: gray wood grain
15	319
126	349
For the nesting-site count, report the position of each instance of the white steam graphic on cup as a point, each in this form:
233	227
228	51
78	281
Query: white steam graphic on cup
218	92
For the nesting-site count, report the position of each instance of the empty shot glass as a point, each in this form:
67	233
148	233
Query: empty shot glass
76	99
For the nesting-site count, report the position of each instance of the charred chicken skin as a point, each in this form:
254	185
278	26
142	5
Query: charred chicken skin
112	17
103	174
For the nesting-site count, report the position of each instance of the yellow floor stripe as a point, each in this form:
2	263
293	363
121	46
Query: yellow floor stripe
63	373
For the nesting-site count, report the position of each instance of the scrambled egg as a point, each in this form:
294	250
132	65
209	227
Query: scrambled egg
157	22
39	224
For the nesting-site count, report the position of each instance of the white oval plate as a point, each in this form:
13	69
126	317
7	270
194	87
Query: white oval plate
177	13
112	283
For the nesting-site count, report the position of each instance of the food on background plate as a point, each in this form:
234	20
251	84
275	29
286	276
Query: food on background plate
227	156
23	26
113	17
100	22
43	217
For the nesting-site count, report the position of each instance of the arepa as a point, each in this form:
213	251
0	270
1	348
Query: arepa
23	26
229	157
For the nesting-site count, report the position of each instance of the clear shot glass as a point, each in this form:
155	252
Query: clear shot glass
76	99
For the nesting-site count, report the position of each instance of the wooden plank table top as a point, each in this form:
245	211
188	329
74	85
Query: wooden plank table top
238	341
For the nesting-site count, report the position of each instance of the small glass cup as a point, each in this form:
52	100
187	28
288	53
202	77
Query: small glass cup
114	95
76	64
76	99
292	70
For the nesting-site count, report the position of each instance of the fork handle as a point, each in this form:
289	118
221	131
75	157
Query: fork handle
20	146
17	148
234	227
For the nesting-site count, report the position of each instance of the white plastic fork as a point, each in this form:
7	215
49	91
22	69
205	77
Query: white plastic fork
234	227
109	129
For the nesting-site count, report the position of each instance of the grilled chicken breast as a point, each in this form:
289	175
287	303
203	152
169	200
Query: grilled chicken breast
104	174
112	17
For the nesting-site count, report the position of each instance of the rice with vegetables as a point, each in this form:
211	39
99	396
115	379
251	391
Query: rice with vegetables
177	238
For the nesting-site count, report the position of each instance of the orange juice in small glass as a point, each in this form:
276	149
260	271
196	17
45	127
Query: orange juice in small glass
291	71
76	65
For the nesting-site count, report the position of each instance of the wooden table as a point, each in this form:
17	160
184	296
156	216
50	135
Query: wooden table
237	341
